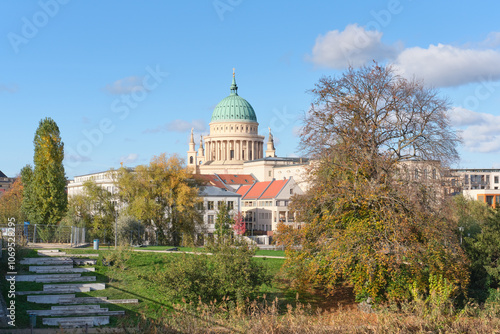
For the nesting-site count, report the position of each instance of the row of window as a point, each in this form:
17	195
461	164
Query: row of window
238	128
265	203
211	205
480	178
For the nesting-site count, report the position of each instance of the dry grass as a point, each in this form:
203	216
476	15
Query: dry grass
265	317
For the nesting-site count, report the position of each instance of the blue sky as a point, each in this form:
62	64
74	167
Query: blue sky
126	80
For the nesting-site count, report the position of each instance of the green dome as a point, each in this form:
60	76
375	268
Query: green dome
233	108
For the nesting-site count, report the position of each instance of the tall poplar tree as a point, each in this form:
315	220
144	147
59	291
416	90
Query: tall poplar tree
45	198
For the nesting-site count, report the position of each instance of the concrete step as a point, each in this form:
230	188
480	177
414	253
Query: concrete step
92	286
48	251
34	278
47	260
82	300
75	307
89	312
84	255
37	268
100	300
66	270
66	279
72	322
51	253
49	299
84	262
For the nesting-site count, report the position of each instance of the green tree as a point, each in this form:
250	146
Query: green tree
45	199
369	223
162	196
223	222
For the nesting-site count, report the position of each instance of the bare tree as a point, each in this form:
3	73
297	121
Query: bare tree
367	223
373	113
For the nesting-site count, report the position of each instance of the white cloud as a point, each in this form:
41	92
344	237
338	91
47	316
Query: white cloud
492	40
12	88
353	46
446	65
129	159
125	85
480	132
179	125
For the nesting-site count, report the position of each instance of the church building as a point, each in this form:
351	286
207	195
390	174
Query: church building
234	145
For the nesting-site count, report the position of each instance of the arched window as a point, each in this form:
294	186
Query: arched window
191	160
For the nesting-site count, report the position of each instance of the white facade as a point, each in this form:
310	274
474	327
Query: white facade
212	199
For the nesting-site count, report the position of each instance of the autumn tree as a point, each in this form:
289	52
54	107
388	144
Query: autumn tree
368	222
239	225
10	203
162	196
45	199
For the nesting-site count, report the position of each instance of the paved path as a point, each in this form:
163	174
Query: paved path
199	253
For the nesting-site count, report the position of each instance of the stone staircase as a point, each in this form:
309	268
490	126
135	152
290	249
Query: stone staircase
72	312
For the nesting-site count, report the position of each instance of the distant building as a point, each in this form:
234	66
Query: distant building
235	147
265	204
479	184
5	183
213	198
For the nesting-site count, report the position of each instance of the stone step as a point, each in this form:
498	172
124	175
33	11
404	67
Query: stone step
80	300
90	311
84	255
71	322
47	260
101	300
34	278
59	291
51	253
37	268
75	307
49	299
84	262
75	287
66	279
67	270
48	251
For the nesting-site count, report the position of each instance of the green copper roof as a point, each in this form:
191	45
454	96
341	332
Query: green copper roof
234	108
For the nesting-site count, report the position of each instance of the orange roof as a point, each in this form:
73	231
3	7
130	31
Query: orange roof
237	178
243	189
257	190
210	179
274	189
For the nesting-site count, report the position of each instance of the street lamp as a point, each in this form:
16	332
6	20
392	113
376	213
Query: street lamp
461	229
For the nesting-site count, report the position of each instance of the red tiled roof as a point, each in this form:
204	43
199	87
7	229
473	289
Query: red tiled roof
274	189
237	178
210	179
257	190
242	190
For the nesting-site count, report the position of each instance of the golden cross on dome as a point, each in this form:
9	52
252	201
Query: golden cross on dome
233	72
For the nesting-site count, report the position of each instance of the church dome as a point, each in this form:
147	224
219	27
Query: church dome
234	108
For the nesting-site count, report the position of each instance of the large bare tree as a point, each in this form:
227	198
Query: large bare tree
366	224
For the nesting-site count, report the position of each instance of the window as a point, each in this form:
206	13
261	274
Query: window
496	179
231	154
210	219
230	205
220	204
269	173
210	205
199	206
191	160
489	200
291	191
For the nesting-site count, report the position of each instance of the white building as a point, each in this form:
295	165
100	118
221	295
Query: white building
213	198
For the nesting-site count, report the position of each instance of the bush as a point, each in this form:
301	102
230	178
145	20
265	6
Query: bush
229	274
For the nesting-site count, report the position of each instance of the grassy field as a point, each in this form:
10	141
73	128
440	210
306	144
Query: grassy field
127	282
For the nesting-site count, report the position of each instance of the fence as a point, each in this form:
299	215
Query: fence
43	233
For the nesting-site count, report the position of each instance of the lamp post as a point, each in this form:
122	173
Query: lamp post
461	229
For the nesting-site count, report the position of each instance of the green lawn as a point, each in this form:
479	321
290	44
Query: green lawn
123	283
